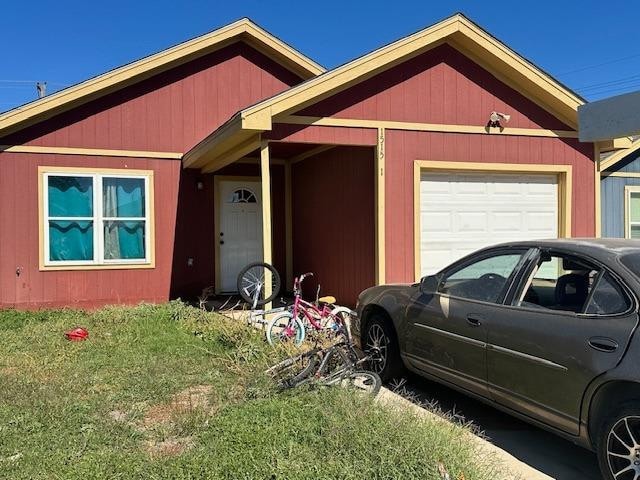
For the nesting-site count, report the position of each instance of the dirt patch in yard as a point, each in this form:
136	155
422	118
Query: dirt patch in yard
196	398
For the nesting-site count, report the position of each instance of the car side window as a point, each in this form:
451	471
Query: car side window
484	280
607	298
559	282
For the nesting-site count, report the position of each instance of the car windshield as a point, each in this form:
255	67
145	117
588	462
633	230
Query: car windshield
632	262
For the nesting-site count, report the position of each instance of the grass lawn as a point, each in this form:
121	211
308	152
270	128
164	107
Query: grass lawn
172	392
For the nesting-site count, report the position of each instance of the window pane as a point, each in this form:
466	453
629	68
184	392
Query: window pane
483	280
607	298
70	196
123	197
634	206
560	283
634	231
124	240
70	240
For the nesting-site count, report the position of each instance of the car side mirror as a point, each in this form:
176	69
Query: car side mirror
429	284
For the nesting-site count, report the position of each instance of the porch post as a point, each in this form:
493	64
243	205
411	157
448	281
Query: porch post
380	264
265	178
288	206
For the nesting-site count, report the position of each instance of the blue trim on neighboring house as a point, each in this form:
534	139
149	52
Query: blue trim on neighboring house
612	195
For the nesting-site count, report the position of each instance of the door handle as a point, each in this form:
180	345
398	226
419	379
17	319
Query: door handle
474	320
603	344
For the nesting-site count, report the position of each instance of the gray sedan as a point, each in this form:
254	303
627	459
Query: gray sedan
543	330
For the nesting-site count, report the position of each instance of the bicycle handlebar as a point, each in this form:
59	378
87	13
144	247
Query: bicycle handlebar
297	284
305	275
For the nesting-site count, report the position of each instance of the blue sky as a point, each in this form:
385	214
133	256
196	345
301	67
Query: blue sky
591	46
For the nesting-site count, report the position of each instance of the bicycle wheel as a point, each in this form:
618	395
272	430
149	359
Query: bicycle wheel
285	328
251	282
335	361
366	382
293	370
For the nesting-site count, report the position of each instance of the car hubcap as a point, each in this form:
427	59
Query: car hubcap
623	449
376	347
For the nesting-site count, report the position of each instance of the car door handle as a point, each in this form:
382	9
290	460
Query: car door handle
475	320
603	344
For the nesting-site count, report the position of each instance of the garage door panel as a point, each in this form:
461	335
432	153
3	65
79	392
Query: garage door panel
460	213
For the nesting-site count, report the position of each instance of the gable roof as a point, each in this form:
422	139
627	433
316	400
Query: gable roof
243	29
457	30
613	159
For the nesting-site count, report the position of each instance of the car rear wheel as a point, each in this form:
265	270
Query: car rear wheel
619	444
380	343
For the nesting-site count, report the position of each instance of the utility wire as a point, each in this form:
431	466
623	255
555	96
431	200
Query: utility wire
598	86
589	67
33	82
624	89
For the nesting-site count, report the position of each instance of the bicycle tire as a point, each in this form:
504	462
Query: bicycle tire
293	371
330	365
368	382
244	283
274	337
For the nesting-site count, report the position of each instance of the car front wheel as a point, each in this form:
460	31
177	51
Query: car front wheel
381	345
619	444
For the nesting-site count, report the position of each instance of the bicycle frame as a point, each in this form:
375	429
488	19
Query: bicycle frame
310	311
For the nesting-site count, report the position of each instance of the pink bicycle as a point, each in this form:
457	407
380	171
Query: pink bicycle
302	316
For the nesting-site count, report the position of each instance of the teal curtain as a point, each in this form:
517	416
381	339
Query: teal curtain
124	197
127	240
70	240
70	197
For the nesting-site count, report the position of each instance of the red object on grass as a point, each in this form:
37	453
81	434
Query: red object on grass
77	334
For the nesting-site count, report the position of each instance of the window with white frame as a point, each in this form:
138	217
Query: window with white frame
633	212
96	218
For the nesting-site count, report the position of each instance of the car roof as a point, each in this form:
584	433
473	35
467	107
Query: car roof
593	246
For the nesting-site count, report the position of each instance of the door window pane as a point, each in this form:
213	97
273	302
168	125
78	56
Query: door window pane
483	280
70	196
608	298
123	197
559	283
70	240
124	240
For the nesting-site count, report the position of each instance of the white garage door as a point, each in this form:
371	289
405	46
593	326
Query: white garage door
460	213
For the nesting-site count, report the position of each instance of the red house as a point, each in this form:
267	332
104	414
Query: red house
169	174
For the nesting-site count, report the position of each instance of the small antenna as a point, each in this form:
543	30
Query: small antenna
41	87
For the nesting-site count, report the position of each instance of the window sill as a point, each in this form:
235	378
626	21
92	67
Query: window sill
107	266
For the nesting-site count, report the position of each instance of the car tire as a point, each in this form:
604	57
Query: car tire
618	436
381	342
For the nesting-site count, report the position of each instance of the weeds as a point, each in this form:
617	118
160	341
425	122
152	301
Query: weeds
172	391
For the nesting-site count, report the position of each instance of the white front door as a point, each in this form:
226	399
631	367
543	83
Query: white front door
463	212
240	230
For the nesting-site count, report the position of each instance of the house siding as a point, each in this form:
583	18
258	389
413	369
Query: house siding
171	111
402	148
442	86
168	112
23	285
612	196
333	222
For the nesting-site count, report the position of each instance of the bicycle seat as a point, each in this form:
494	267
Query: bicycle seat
328	299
